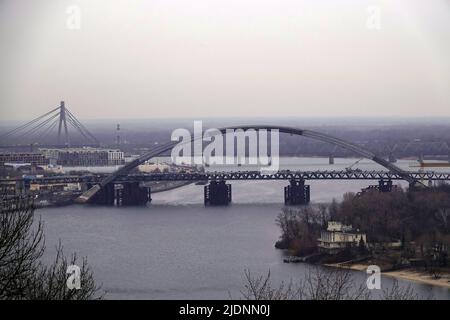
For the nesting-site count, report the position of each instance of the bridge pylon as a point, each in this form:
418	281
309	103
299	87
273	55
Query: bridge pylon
63	123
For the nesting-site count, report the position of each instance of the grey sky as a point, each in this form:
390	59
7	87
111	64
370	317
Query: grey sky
197	58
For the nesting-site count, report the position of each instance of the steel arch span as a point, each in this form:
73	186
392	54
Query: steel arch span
158	150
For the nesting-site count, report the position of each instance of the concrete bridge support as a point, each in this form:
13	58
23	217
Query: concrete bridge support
331	159
385	186
392	158
217	193
131	194
134	195
297	193
105	196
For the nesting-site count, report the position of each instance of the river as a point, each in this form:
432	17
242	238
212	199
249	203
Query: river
175	248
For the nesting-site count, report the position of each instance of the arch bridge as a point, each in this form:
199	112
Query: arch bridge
218	192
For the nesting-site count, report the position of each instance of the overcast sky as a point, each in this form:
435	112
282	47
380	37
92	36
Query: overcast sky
215	58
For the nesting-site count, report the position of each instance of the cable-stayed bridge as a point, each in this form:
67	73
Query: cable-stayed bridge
56	128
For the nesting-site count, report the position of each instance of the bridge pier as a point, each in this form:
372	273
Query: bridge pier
385	186
297	193
331	159
217	193
133	195
104	196
392	158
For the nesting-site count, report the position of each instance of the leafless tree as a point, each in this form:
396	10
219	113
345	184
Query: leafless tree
20	246
22	275
333	284
50	283
442	215
319	284
400	293
261	288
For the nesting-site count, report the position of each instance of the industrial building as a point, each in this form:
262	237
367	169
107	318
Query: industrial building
33	158
84	157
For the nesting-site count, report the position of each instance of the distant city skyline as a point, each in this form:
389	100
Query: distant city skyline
210	59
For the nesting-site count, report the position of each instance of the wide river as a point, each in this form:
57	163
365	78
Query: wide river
175	248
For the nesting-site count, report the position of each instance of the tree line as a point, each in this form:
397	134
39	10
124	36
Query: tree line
417	219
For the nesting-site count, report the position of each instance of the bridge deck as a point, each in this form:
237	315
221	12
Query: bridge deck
244	175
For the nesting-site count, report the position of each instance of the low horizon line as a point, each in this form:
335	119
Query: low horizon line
218	118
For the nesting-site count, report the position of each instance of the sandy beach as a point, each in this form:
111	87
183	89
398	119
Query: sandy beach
420	276
406	274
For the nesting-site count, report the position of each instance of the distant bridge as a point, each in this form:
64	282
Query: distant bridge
242	175
58	120
103	189
131	189
158	150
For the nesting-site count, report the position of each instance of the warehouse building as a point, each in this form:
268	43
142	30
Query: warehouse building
33	158
85	157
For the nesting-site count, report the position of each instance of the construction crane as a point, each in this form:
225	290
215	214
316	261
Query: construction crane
349	168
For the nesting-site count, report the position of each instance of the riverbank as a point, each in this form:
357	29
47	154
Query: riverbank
68	198
409	274
420	276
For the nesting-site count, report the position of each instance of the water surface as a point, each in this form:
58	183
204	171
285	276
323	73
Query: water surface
175	248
